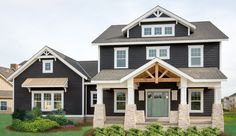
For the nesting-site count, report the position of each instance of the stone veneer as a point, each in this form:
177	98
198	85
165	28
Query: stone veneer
173	116
130	116
99	116
140	117
218	116
184	119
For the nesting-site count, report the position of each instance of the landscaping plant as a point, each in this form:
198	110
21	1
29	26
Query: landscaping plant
154	130
134	132
175	131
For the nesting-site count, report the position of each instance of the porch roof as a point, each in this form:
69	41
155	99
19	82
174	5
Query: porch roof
45	82
195	73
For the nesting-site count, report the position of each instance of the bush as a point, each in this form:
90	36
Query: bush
60	119
100	132
176	131
210	132
134	132
154	130
193	131
114	130
19	114
38	125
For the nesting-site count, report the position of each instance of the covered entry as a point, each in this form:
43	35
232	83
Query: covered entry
157	102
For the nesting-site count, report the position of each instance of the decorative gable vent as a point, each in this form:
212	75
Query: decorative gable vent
46	55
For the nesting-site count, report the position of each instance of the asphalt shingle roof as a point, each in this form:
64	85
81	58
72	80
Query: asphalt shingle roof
6	72
204	30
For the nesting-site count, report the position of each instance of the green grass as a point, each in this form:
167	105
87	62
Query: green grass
230	123
5	120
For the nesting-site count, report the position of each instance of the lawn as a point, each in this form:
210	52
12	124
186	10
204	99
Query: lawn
5	120
230	123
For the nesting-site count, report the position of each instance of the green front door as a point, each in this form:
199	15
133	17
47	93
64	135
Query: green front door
157	104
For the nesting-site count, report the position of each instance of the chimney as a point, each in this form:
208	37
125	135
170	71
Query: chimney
14	67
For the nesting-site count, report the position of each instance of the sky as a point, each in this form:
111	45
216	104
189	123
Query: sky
70	26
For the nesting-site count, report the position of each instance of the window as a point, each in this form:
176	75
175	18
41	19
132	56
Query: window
48	101
158	30
195	55
3	105
121	57
196	100
147	31
120	101
93	98
162	52
47	66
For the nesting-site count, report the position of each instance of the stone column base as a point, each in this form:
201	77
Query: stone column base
130	116
218	116
140	117
184	119
99	116
173	116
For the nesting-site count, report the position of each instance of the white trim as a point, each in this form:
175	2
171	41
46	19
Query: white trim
89	83
126	49
201	55
13	96
162	26
1	105
157	90
83	96
157	48
35	58
158	19
158	42
99	59
115	100
220	56
91	98
52	92
202	100
89	115
11	84
159	8
74	116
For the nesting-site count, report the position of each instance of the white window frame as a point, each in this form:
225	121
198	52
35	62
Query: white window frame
162	26
126	49
91	98
202	100
1	105
44	66
201	57
157	48
52	99
115	100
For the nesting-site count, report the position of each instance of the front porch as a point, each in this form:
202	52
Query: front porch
158	93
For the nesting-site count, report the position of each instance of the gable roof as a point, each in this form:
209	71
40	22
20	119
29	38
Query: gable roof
91	67
71	63
159	8
234	94
205	31
119	76
6	72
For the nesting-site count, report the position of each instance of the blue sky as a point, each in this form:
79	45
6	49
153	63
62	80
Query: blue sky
70	26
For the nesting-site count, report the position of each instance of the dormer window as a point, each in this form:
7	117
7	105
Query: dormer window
47	66
158	30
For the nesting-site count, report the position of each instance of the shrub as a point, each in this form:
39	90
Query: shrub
38	125
193	131
134	132
154	130
60	119
115	130
176	131
100	132
19	114
210	132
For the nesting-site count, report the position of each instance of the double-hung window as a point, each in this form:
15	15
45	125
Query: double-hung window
48	100
196	100
120	99
195	54
162	52
158	30
121	57
93	98
3	105
47	66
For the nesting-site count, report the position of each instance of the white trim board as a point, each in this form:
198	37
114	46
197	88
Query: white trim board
35	58
126	49
201	47
158	42
115	101
201	101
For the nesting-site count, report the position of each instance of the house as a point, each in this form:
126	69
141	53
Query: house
229	102
226	103
5	91
159	68
51	80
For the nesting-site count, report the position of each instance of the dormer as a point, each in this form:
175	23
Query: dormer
158	22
